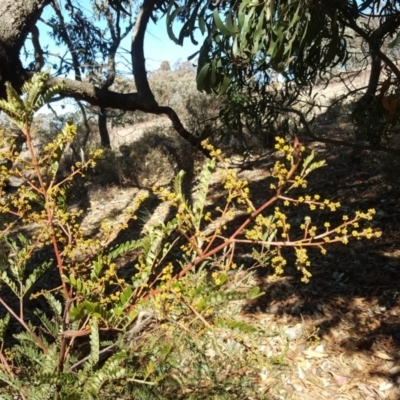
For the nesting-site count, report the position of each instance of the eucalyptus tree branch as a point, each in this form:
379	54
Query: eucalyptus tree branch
106	98
393	67
374	40
182	131
140	75
112	49
116	38
137	52
55	113
67	40
37	48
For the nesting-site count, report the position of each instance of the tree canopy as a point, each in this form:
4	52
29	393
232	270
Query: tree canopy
247	45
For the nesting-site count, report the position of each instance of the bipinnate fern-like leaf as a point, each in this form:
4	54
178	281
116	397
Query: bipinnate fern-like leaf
111	371
308	166
27	349
13	97
13	383
34	276
125	297
33	89
151	244
308	159
202	191
49	94
315	165
35	95
52	326
13	106
49	380
177	183
123	249
97	268
10	283
78	284
3	325
195	212
54	303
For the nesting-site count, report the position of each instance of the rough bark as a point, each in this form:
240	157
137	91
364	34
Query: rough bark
17	19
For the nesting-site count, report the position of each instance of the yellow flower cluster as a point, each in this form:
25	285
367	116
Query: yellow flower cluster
167	272
279	172
299	181
58	144
214	153
166	195
315	203
261	226
278	263
287	149
302	263
216	278
237	188
368	215
94	155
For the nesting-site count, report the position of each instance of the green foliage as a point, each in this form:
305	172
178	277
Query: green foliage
173	326
249	39
248	46
36	95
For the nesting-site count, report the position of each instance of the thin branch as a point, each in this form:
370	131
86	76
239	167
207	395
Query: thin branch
375	40
85	123
67	40
38	48
22	322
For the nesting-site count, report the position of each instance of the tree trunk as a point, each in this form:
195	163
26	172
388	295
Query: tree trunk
103	131
17	18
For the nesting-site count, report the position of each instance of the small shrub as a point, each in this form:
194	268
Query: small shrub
156	157
173	327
